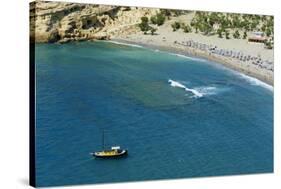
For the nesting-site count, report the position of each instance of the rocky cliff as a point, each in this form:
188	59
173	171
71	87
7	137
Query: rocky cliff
63	22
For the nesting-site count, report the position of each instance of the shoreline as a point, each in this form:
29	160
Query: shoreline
55	22
241	67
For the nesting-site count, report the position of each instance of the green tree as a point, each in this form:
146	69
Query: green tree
153	19
176	26
226	34
254	24
196	28
158	19
268	45
219	32
263	28
144	24
236	34
245	35
268	32
187	28
246	25
205	28
213	18
144	19
236	22
153	30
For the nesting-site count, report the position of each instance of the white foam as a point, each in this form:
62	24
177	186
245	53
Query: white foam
251	80
178	84
196	93
210	90
126	44
257	82
188	57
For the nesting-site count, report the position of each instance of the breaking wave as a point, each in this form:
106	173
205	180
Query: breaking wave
179	85
188	57
207	90
126	44
198	92
254	81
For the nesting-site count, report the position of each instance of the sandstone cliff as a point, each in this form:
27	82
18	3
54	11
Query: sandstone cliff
63	22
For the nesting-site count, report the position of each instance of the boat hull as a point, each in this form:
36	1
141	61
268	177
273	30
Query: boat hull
118	155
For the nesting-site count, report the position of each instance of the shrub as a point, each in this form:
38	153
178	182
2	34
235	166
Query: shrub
176	26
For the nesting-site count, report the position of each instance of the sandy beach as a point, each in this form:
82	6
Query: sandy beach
65	22
126	94
246	68
168	40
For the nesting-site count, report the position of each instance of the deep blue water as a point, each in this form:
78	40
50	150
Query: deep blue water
84	88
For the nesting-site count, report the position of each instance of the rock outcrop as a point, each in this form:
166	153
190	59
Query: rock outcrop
64	22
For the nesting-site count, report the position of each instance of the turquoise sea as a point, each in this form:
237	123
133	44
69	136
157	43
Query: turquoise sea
179	117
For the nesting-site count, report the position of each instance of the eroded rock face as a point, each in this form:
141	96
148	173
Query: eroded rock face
63	22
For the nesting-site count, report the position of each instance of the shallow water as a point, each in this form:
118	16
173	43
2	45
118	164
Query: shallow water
170	131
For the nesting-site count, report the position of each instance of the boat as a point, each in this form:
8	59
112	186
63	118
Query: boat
114	152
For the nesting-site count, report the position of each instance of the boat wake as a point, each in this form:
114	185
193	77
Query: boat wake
196	93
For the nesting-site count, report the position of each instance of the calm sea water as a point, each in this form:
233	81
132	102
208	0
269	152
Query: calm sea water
178	117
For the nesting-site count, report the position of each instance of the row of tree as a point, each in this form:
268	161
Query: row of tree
145	27
158	19
216	23
178	25
212	23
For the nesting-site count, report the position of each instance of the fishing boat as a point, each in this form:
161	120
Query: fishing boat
114	152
